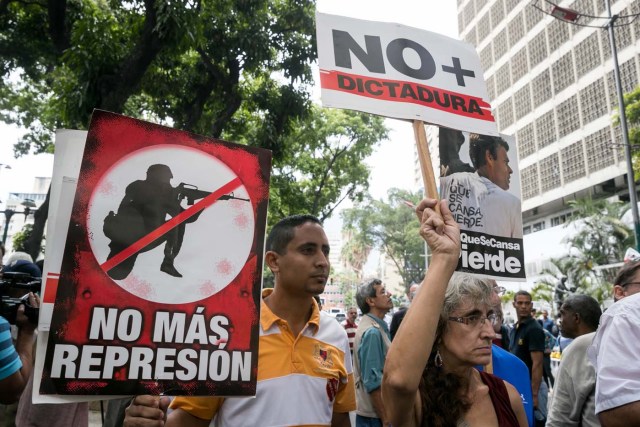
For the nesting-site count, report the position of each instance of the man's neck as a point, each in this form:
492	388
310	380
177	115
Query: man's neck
296	310
524	319
378	313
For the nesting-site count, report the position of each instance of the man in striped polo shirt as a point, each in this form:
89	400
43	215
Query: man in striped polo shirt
350	326
16	361
305	375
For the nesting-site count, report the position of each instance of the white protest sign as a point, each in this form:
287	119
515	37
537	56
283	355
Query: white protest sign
403	72
69	146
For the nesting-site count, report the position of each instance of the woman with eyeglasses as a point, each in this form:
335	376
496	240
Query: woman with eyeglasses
429	375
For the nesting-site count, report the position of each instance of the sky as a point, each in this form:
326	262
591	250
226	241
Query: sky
392	162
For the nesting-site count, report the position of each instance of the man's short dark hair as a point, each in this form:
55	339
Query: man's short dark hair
366	290
586	306
282	233
525	293
626	273
478	146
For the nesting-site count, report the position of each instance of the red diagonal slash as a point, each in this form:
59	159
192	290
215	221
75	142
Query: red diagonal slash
172	223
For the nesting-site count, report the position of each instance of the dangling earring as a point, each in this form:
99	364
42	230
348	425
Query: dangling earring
437	360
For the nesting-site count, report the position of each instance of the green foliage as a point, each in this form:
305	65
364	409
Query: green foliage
601	240
238	70
632	113
392	227
322	162
188	63
20	238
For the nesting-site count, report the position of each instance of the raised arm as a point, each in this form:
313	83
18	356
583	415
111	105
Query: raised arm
413	342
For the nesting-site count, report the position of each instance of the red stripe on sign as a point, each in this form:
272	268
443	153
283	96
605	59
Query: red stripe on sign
409	92
172	223
51	289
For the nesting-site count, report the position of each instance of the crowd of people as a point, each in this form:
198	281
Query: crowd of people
448	359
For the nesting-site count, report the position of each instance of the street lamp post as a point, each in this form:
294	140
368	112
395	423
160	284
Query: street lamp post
572	16
633	199
8	213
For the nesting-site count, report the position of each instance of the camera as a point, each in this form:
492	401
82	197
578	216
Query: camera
10	284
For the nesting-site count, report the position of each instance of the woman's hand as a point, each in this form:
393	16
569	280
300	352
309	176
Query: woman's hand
439	230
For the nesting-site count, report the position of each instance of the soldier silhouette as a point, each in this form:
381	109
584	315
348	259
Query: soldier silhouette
145	207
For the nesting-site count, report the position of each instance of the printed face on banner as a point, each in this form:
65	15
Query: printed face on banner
402	72
480	180
159	287
230	221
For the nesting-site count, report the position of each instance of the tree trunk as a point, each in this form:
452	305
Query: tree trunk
34	242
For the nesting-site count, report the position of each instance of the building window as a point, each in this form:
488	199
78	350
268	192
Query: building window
484	27
460	20
526	230
503	78
585	7
557	34
563	74
573	162
541	86
516	29
537	226
505	114
599	150
550	173
480	4
561	219
568	117
519	64
486	58
491	87
530	185
522	100
526	141
531	17
497	13
618	143
628	78
593	101
546	129
500	45
538	49
471	37
587	54
469	12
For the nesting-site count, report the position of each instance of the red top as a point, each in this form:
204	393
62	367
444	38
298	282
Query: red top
500	399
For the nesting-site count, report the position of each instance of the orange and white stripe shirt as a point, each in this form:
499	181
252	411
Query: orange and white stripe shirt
302	380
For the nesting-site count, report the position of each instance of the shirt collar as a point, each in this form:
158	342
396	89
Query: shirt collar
381	322
268	317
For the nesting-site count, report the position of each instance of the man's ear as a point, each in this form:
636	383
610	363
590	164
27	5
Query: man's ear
488	157
618	292
272	259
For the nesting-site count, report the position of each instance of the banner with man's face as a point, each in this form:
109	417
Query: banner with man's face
159	285
480	180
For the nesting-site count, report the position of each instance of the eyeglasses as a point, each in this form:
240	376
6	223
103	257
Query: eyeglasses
500	290
475	320
630	283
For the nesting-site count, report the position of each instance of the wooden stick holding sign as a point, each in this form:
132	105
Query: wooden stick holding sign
426	166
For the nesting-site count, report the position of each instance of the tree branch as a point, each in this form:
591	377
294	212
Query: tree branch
325	175
58	30
117	89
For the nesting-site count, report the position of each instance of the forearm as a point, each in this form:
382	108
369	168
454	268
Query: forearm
536	377
410	350
378	406
24	348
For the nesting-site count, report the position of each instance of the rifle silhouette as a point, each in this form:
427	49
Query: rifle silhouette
191	193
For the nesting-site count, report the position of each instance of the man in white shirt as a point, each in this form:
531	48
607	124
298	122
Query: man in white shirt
480	201
615	350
